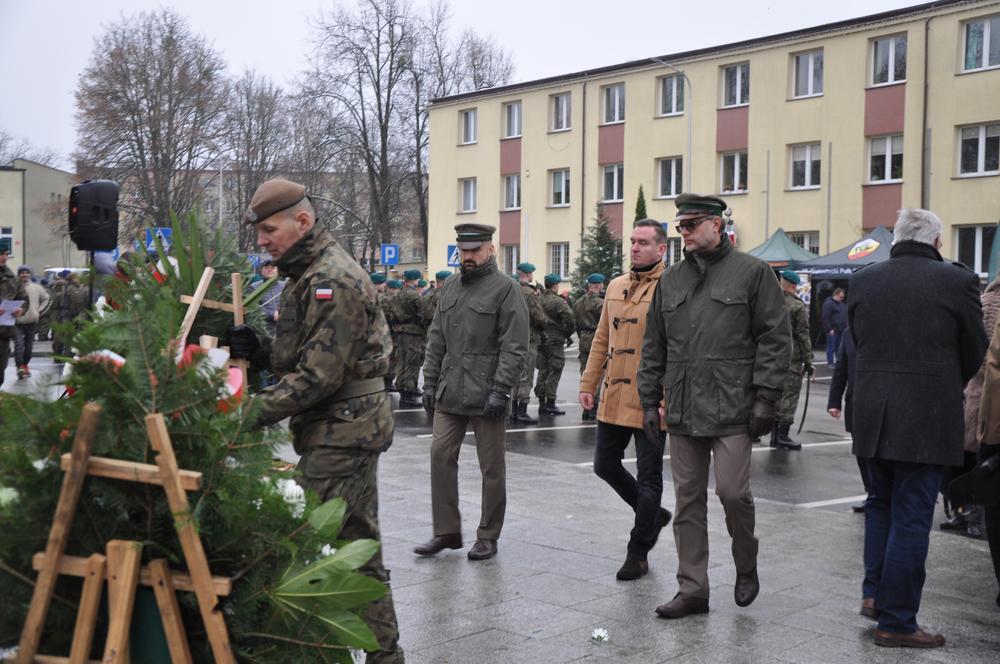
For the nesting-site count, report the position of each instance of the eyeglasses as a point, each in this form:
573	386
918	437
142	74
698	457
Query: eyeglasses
691	224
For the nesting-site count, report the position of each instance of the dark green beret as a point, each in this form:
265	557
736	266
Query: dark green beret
272	197
394	283
791	276
472	236
552	279
441	275
422	283
411	275
596	278
378	278
689	203
527	268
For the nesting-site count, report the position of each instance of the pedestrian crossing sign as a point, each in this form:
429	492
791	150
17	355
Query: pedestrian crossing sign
453	260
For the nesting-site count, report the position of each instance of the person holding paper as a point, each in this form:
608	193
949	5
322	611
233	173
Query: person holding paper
11	288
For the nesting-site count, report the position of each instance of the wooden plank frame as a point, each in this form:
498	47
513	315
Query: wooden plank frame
77	566
86	618
170	612
124	560
131	471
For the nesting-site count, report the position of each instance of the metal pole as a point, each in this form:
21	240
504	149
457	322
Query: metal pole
690	115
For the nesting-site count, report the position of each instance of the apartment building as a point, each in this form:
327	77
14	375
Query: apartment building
843	124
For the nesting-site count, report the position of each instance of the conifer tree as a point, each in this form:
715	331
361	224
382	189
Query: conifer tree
640	206
600	252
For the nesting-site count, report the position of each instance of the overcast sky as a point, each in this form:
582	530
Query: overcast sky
45	44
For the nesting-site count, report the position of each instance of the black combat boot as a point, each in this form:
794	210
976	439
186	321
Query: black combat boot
410	400
774	435
520	414
548	407
784	440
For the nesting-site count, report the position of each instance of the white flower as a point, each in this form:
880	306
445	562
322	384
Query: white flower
600	634
327	550
294	495
258	502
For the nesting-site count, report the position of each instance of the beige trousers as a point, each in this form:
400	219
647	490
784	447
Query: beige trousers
448	432
689	462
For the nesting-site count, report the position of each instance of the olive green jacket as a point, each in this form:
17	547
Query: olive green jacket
717	336
561	324
11	288
587	314
801	342
537	318
477	341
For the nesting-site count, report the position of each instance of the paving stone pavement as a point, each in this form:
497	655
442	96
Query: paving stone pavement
553	581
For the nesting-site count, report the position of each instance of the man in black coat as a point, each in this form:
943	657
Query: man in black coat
841	394
917	326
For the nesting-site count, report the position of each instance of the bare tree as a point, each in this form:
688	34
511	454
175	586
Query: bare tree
149	112
483	63
12	148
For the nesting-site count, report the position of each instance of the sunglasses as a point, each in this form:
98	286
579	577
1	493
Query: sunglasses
691	224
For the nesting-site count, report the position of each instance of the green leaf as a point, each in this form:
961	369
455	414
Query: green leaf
258	293
349	557
350	629
328	518
335	589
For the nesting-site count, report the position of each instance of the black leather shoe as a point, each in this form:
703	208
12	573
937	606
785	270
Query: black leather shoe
868	609
746	588
681	606
662	521
439	543
483	549
410	400
858	509
632	569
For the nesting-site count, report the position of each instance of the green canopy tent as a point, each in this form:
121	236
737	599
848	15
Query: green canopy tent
779	250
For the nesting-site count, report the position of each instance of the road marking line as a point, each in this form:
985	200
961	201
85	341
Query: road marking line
410	410
574	426
834	501
666	457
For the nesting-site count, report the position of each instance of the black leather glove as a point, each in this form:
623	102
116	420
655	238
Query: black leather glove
988	451
496	405
651	422
242	341
810	370
428	399
761	417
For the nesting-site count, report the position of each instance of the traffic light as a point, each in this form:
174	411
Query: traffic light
93	215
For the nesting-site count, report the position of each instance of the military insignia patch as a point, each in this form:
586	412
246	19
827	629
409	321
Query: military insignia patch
324	293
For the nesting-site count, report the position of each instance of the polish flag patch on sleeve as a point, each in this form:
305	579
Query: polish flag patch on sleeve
324	293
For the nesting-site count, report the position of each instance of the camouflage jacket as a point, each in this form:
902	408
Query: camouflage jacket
408	314
477	342
801	341
537	318
11	288
561	324
330	352
586	315
69	299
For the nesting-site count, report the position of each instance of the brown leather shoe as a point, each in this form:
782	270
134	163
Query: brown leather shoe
439	543
746	588
632	569
868	609
918	639
681	606
483	549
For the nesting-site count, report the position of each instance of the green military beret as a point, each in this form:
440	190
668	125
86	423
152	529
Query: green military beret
527	268
694	203
441	275
472	236
422	283
552	279
378	278
791	276
394	283
272	197
411	275
596	278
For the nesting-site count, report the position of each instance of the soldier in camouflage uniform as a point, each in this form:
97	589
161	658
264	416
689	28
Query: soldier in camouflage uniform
552	349
409	325
537	320
586	315
431	298
11	288
69	300
330	355
800	362
392	288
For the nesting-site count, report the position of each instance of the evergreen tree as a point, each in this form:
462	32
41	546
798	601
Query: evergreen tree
640	206
600	252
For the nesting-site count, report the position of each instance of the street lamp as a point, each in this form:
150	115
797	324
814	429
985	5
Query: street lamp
688	111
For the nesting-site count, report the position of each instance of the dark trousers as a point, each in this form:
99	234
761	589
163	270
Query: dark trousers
24	342
4	356
832	346
642	492
899	514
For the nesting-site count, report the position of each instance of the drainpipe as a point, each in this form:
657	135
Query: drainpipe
925	195
583	165
767	197
829	192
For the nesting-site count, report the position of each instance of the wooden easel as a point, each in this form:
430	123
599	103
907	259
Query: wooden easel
197	301
121	564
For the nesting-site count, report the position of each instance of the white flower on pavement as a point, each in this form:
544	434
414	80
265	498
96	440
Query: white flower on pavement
600	634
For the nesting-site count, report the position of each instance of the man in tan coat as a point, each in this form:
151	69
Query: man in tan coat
615	353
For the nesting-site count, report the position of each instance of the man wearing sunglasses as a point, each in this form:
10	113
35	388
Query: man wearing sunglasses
716	350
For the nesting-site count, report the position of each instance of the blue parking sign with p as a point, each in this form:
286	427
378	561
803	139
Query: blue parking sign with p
453	259
390	254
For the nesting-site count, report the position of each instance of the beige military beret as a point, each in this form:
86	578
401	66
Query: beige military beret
272	197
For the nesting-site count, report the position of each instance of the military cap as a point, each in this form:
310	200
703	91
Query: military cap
394	284
696	203
791	276
272	197
527	268
552	279
411	275
472	236
378	278
422	283
441	275
596	278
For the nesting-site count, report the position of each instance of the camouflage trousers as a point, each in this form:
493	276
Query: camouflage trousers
409	358
790	394
522	391
393	360
355	480
551	360
586	341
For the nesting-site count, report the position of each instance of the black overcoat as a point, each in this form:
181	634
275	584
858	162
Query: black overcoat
918	330
842	383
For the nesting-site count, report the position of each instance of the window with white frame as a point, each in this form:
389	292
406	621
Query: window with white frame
734	172
669	176
512	192
614	103
671	95
614	185
560	187
7	240
974	244
805	166
982	43
467	126
511	257
808	70
979	150
561	111
559	258
885	158
512	119
736	84
808	240
675	251
467	194
889	60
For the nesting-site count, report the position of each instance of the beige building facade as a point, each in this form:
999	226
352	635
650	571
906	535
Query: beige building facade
46	242
843	125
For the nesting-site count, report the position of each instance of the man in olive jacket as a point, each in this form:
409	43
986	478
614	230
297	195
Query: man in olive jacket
476	347
716	351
